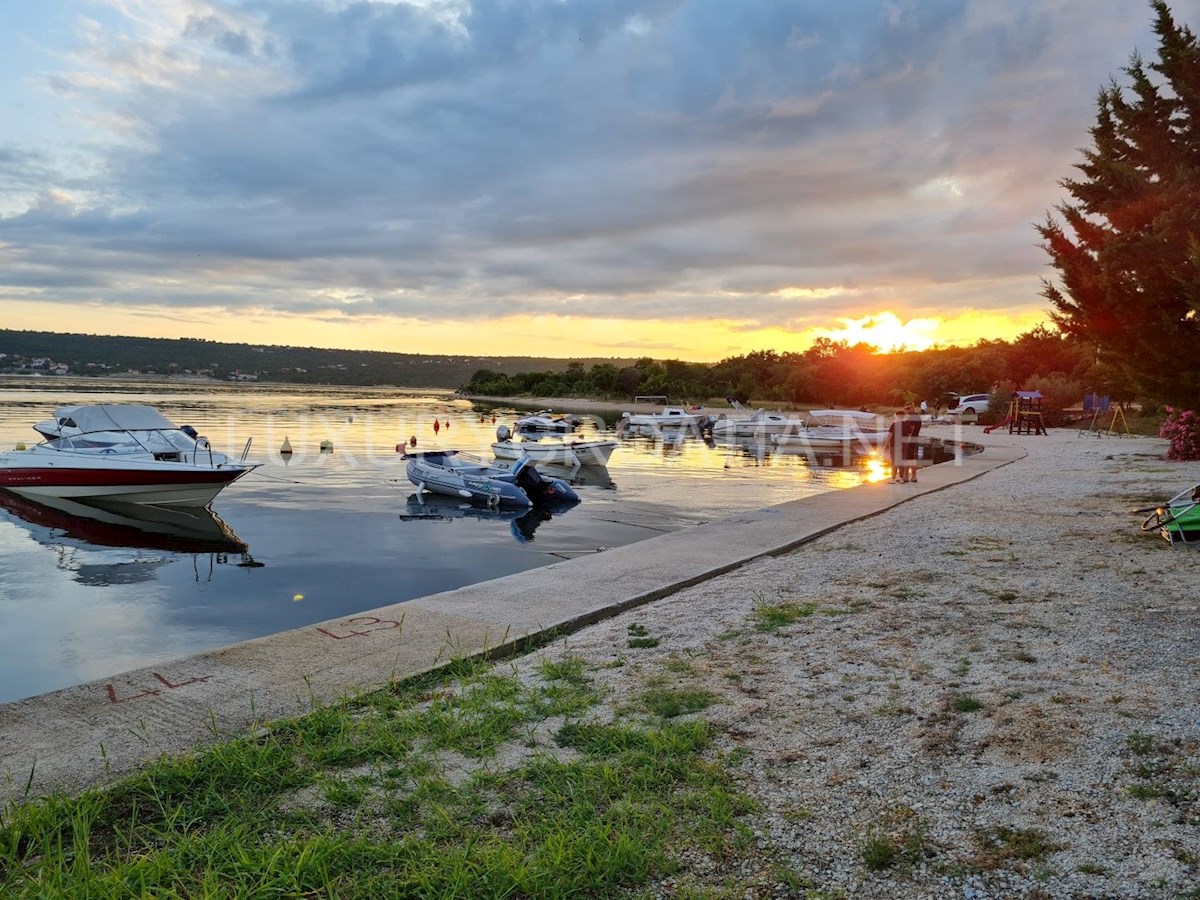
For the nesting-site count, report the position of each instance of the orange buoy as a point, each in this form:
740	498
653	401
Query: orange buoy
412	441
437	426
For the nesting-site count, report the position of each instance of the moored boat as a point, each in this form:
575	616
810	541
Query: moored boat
125	453
760	424
830	438
457	474
667	417
546	421
563	453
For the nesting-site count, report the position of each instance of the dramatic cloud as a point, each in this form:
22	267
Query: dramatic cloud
769	164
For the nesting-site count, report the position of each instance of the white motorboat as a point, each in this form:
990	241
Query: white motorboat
760	424
546	421
125	453
830	438
668	417
856	419
458	474
563	453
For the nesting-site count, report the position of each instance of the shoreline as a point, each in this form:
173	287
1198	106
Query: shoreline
972	661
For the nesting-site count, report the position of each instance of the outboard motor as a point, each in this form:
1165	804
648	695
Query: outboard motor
545	491
502	433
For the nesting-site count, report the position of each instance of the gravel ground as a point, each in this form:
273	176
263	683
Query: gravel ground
989	691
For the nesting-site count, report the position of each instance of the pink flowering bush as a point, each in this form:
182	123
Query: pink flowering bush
1181	429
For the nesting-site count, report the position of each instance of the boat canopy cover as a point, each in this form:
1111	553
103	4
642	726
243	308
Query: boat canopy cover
115	417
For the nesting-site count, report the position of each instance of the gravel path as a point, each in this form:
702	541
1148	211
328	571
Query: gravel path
989	691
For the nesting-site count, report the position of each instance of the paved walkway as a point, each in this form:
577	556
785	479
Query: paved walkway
92	733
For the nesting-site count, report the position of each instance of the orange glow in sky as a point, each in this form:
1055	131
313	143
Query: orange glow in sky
694	340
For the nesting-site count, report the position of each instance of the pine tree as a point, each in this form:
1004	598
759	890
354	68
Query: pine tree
1128	256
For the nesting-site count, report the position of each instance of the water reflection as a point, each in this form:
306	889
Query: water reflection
522	522
106	544
109	599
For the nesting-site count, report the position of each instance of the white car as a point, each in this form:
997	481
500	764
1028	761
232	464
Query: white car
970	405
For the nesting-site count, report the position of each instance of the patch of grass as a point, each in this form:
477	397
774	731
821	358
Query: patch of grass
773	616
643	643
678	666
639	637
878	852
1140	743
358	800
898	839
962	667
670	703
1000	844
967	704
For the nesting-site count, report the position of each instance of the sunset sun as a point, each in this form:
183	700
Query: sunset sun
886	332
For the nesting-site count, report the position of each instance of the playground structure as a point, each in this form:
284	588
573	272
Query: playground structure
1024	414
1100	408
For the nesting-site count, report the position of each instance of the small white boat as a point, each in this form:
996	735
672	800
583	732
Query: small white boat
125	453
546	421
849	431
457	474
563	453
760	424
830	438
668	417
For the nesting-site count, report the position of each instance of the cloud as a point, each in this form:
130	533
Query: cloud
634	159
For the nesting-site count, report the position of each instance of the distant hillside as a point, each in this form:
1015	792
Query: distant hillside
89	354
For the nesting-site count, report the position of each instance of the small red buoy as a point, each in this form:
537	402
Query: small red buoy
437	426
447	424
493	418
412	441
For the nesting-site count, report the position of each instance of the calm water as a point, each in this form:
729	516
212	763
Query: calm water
319	536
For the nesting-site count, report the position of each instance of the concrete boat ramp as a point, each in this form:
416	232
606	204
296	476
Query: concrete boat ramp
93	733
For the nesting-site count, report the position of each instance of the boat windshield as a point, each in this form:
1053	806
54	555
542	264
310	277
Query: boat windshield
159	442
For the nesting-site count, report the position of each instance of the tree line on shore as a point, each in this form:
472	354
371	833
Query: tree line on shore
837	373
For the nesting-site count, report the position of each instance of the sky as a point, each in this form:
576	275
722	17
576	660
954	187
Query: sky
691	179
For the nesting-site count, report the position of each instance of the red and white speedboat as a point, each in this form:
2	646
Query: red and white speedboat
122	453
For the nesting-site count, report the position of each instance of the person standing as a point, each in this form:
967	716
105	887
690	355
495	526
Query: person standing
893	445
911	428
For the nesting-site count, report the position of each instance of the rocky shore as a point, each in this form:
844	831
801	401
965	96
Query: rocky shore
990	691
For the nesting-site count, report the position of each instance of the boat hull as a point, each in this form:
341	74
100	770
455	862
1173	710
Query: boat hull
582	453
185	487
